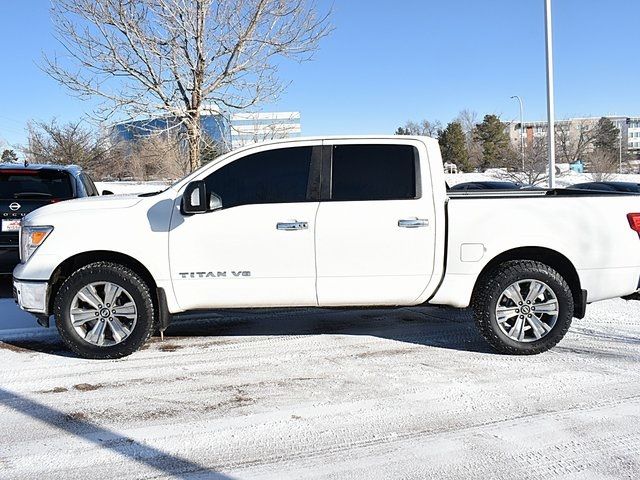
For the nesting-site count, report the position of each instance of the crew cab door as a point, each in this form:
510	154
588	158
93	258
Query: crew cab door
258	249
375	232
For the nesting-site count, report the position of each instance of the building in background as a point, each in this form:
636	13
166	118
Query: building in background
628	126
214	125
247	128
238	130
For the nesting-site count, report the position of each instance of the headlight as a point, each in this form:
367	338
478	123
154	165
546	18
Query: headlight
30	239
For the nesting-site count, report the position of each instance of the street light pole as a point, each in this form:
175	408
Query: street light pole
521	129
620	153
551	138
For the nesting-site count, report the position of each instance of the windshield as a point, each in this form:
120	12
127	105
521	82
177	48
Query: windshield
35	184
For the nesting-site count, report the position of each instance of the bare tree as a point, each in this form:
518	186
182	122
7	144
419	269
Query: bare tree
602	164
67	144
175	57
573	145
535	166
424	127
159	157
469	119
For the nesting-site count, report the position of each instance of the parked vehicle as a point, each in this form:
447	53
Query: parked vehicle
486	185
25	188
338	221
628	187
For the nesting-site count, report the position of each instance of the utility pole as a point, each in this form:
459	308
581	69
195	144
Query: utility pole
551	137
521	129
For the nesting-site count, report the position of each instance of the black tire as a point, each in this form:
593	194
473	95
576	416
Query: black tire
105	272
488	293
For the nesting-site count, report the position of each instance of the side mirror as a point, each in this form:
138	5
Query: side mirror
194	198
107	192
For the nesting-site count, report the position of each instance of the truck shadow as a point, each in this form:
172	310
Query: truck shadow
428	326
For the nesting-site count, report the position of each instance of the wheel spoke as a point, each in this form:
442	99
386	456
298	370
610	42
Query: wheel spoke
505	313
517	331
535	289
111	293
550	307
540	329
127	310
80	316
89	295
96	334
118	330
513	293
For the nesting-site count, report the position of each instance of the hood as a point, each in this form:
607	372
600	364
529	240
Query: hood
84	204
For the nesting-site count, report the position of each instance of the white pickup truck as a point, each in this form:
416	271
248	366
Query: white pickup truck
341	221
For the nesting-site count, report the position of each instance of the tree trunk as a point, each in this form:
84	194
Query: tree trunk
194	137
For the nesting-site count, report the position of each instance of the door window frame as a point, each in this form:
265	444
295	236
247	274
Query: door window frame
326	177
313	193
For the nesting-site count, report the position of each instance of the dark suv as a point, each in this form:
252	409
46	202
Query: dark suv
25	188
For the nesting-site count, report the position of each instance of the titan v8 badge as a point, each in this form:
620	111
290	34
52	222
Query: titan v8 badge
224	274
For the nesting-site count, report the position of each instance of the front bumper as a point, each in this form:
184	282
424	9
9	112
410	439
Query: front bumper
31	296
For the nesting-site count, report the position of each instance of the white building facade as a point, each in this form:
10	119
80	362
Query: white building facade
247	128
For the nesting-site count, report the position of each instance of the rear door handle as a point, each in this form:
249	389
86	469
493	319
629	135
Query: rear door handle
413	223
292	225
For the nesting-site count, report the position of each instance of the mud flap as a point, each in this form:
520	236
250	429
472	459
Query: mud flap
164	317
580	307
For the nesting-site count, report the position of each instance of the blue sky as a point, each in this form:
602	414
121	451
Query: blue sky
387	62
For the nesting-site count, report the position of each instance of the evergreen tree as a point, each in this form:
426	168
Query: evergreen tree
9	156
492	135
453	146
606	136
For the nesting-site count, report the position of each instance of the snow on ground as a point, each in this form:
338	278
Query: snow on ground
563	180
410	393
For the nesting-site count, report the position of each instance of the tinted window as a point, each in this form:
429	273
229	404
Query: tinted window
35	184
274	176
89	186
373	172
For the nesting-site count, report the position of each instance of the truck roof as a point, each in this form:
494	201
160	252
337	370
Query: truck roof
72	169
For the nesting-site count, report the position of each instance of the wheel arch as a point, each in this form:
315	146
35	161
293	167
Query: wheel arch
553	259
73	263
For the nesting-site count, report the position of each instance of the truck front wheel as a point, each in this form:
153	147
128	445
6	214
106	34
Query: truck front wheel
104	310
523	307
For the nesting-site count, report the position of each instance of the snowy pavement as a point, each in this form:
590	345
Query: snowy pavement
411	393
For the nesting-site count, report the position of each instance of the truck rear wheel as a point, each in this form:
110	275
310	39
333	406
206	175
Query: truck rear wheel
523	307
104	310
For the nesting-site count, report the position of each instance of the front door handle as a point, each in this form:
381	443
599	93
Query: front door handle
413	223
292	225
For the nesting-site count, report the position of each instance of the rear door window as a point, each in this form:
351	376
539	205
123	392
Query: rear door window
35	184
374	172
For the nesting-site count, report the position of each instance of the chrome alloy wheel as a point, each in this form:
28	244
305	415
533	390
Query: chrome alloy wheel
527	310
103	314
